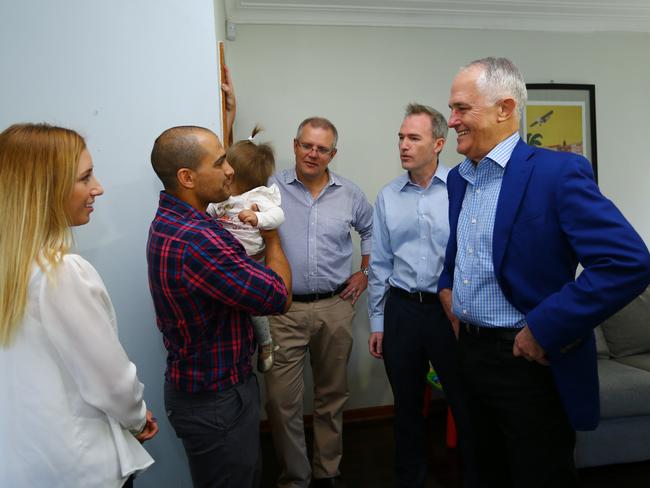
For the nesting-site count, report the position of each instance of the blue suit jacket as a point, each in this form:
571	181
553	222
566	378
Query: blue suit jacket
550	217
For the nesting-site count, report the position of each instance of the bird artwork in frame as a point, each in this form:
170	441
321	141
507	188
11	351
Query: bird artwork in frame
561	117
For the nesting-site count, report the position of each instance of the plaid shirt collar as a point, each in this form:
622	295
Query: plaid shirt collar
172	204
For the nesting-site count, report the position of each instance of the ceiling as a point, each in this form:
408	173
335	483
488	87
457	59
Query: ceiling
537	15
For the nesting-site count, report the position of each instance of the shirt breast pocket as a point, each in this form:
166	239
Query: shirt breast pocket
337	231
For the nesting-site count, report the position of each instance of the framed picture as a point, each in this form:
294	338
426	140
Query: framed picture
562	117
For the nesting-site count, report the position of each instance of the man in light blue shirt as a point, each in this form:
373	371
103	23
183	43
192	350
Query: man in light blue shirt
409	328
321	208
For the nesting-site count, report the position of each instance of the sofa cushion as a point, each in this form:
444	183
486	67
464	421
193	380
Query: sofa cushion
615	441
624	390
602	350
641	361
628	331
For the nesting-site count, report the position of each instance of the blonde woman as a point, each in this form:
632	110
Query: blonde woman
71	409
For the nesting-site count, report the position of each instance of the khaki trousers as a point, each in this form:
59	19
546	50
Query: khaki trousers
324	328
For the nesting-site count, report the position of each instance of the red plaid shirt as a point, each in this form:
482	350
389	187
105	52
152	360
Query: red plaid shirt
204	289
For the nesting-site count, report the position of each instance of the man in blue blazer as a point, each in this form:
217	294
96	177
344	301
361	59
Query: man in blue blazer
521	220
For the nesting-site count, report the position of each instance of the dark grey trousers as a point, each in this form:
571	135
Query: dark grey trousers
221	434
523	435
416	334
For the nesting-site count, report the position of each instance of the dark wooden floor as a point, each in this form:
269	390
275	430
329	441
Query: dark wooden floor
368	460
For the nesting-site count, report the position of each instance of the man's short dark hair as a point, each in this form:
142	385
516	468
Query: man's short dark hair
174	149
438	121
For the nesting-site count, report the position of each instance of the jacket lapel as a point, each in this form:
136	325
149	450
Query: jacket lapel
513	187
457	193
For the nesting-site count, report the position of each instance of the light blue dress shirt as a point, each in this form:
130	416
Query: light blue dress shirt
410	232
477	296
316	233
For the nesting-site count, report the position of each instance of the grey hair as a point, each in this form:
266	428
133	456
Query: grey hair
438	122
319	123
500	78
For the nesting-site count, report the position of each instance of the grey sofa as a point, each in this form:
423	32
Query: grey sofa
623	435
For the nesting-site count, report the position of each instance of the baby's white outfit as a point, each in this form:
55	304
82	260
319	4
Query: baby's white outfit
269	216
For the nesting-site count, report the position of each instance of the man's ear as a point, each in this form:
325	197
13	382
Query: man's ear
507	108
185	178
438	145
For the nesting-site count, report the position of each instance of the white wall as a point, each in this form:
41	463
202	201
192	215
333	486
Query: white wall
220	19
119	72
361	78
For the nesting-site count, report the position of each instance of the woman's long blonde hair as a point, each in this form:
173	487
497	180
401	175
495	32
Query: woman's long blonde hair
38	166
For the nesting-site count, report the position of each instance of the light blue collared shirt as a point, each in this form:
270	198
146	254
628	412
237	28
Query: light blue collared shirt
410	233
477	296
316	233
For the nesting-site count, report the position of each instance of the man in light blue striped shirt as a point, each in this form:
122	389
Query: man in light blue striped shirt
409	328
321	209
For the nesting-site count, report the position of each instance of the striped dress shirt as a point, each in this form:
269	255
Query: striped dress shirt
477	296
316	233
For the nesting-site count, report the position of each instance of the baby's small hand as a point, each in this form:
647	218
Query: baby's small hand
248	217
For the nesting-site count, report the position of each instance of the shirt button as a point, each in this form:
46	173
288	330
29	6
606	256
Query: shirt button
470	251
473	221
464	310
478	190
465	281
